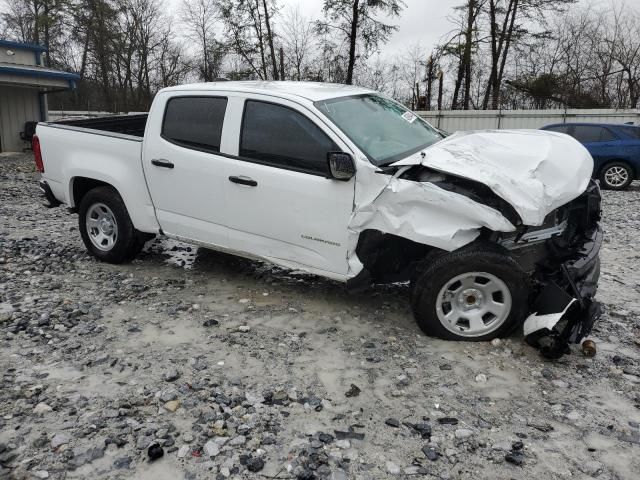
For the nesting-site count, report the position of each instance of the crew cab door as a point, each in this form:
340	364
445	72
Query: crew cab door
282	205
184	171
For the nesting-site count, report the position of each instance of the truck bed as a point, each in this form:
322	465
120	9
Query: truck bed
126	124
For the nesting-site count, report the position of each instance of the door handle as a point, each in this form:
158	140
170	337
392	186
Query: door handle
161	162
244	181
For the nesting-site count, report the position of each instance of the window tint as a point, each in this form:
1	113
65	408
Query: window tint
281	137
559	129
590	133
195	122
633	132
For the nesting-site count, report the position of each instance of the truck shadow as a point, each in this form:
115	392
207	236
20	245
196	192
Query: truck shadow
238	268
380	303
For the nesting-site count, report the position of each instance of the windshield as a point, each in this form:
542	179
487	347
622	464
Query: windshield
383	129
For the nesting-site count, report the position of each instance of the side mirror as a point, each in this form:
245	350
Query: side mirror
341	166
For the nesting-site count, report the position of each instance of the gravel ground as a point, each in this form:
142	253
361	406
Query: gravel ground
235	369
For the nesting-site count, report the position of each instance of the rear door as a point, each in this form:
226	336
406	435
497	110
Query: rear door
601	142
183	166
282	204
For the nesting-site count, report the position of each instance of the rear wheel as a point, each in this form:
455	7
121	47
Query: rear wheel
473	295
106	228
616	176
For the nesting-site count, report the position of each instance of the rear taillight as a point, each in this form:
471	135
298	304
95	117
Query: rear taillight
37	154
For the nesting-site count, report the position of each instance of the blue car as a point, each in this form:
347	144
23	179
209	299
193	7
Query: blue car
615	150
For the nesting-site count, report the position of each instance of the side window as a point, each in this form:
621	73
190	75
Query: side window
607	136
592	133
195	122
281	137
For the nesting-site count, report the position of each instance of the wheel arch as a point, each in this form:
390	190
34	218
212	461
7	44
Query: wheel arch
80	186
139	207
391	258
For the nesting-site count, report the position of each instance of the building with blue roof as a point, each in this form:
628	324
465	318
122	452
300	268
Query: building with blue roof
24	85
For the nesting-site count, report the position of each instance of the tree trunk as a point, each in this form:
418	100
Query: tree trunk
206	69
500	45
257	25
282	63
429	83
505	53
36	22
440	85
494	53
100	40
353	40
468	38
270	41
47	11
458	85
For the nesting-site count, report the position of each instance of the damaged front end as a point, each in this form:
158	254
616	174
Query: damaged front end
565	265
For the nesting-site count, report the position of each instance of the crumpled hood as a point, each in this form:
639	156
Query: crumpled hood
535	171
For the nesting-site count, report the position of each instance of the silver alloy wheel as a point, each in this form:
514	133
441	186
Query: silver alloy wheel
473	304
616	176
102	227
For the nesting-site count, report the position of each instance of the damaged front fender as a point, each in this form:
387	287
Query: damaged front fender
418	211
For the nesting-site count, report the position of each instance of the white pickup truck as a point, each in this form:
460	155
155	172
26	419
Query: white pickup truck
491	228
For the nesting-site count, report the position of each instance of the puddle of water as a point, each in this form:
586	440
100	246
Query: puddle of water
179	254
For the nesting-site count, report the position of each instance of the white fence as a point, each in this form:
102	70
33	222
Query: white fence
454	120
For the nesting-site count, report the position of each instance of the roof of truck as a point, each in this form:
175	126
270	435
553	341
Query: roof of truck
313	91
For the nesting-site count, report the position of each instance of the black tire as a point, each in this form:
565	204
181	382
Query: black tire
433	278
128	241
606	176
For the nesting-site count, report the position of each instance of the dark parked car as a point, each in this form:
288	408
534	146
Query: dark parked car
615	150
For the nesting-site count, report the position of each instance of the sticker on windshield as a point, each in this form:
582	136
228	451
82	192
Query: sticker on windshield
409	117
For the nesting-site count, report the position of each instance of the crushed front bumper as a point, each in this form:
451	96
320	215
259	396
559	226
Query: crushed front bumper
566	310
565	306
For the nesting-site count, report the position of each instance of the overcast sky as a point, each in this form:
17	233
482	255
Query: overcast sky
423	21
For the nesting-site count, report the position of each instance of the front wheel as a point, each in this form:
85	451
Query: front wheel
106	228
616	176
473	294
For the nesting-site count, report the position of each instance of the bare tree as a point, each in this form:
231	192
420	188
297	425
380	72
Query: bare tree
198	19
357	21
248	25
625	49
298	42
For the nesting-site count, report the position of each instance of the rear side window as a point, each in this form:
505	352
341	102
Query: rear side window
633	132
282	137
590	133
195	122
